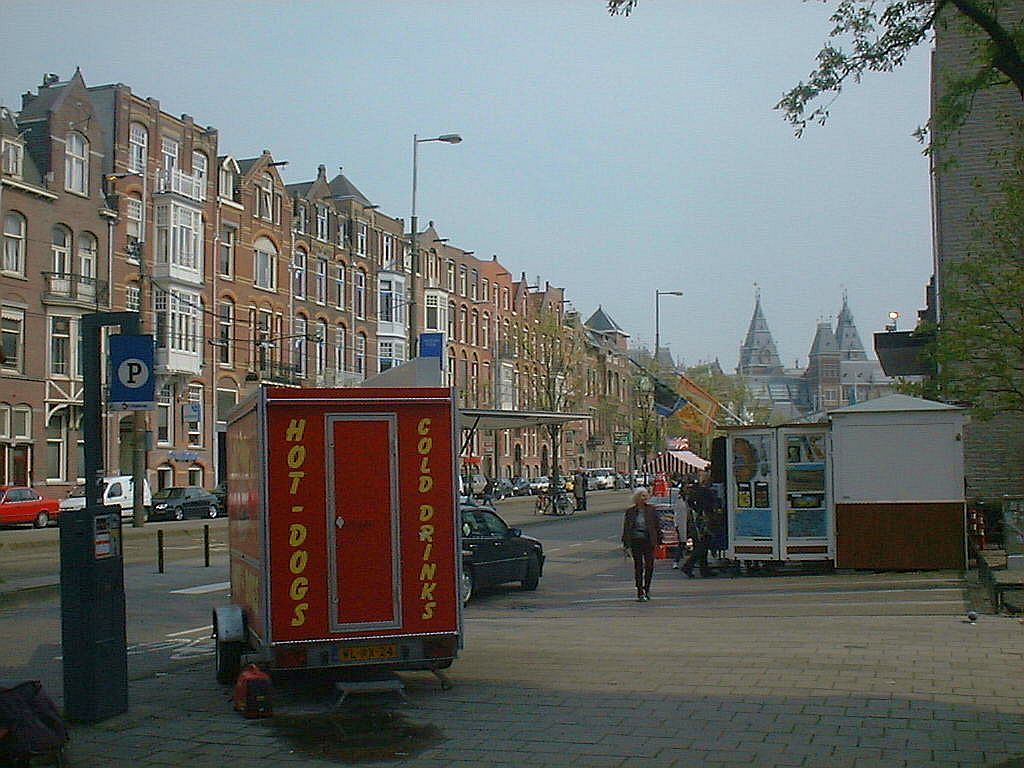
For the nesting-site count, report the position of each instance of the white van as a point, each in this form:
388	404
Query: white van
117	491
600	478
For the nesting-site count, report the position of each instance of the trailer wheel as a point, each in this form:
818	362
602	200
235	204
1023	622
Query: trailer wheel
468	585
229	661
532	578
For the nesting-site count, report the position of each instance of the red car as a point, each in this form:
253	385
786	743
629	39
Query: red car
19	504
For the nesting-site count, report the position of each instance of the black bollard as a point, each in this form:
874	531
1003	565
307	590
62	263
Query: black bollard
160	550
206	545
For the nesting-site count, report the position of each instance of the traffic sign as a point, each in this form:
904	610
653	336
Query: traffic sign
623	438
132	381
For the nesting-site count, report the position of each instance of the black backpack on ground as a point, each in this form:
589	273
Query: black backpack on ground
30	724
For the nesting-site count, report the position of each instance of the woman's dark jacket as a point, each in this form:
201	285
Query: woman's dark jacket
653	525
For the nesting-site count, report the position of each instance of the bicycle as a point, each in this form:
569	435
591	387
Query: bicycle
556	502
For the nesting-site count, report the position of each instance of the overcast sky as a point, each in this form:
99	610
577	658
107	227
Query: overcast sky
612	156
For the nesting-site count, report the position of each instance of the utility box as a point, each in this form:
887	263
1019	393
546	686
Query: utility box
93	635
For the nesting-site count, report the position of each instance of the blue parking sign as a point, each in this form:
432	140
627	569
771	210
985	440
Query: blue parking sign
132	380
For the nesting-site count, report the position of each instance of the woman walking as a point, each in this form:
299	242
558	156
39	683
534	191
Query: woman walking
641	534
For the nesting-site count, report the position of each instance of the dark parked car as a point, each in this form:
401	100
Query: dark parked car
493	553
177	503
221	493
520	486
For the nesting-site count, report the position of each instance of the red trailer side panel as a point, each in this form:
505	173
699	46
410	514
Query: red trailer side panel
361	513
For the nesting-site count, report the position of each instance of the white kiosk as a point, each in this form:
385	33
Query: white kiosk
879	485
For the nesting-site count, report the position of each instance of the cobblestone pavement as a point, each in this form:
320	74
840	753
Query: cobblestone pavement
644	684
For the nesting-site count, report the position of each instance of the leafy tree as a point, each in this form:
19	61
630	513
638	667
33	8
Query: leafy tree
978	346
556	351
877	35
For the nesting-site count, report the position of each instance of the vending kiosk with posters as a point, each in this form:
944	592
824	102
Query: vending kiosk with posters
779	494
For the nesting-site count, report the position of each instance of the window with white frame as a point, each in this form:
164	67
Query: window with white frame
164	477
13	158
21	422
299	345
462	324
485	331
361	235
340	339
132	298
138	147
451	321
76	164
88	248
57	446
225	331
14	244
133	223
176	314
462	280
320	348
483	289
387	255
299	274
227	399
195	475
265	266
450	275
385	354
264	208
200	171
359	297
320	282
474	279
164	422
386	301
60	251
360	354
194	416
322	232
342	230
169	149
226	252
60	346
474	328
228	181
264	347
339	286
431	320
301	218
179	236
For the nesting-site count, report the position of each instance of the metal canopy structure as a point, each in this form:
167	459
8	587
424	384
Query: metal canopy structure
473	419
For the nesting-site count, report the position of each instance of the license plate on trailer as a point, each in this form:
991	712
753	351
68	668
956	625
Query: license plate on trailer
367	652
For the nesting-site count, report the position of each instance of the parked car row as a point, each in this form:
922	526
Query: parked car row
21	504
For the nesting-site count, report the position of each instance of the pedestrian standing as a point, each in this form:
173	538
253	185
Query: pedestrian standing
579	491
641	533
702	506
680	519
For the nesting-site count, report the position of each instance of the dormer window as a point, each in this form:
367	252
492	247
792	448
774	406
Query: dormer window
265	197
321	222
13	158
228	180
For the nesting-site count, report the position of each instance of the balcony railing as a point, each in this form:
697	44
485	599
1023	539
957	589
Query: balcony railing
276	373
181	183
76	289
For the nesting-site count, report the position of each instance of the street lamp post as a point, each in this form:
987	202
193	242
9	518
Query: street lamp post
447	138
657	317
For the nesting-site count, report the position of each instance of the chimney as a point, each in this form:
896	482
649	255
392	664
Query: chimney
321	172
49	79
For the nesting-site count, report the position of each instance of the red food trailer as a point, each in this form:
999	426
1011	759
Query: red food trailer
342	530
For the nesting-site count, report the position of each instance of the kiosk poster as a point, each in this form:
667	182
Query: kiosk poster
806	516
752	471
743	498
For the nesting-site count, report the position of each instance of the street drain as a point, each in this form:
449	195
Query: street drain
355	737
